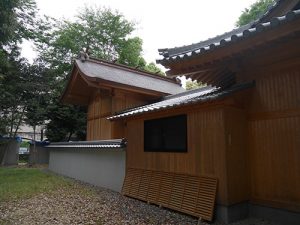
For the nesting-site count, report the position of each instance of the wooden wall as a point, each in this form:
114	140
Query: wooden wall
236	157
253	150
99	108
104	103
274	138
206	150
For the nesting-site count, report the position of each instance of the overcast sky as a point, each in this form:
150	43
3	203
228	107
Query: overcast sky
161	23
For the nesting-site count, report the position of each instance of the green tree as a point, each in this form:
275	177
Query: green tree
13	95
101	32
104	34
130	53
190	85
254	12
66	121
153	68
17	20
40	80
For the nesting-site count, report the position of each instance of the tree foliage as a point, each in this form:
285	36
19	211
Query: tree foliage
101	32
16	20
13	93
190	85
153	68
23	95
65	122
254	12
40	83
16	24
30	93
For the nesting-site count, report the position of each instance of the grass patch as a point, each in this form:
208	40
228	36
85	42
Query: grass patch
18	183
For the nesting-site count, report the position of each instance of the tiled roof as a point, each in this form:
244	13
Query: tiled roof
290	5
171	52
269	11
115	73
175	54
114	143
199	95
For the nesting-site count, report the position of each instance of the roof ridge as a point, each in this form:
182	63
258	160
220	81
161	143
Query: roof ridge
101	73
162	51
161	105
270	8
274	22
205	88
165	98
94	142
170	97
128	68
250	24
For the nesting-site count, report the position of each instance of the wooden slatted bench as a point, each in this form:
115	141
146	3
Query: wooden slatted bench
193	195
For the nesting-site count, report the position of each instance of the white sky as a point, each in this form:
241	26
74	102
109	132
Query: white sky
161	23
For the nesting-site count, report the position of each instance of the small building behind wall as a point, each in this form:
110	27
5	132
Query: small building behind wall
100	163
106	88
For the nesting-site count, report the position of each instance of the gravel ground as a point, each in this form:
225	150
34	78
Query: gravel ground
84	204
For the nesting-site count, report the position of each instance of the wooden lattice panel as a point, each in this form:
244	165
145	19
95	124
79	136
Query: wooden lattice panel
154	187
144	185
193	195
164	192
177	192
133	180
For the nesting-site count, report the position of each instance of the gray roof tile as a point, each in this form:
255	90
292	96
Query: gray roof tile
101	144
124	75
200	46
199	95
179	53
273	7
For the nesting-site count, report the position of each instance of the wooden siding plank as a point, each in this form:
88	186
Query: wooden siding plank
206	149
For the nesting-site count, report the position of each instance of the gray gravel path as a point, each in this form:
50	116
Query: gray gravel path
84	204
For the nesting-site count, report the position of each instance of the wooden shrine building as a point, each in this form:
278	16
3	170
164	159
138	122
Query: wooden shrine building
106	88
241	131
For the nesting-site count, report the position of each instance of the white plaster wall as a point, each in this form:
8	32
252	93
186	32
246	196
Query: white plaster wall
104	168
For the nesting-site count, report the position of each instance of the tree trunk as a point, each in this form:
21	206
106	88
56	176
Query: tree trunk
19	122
70	135
42	134
12	123
34	145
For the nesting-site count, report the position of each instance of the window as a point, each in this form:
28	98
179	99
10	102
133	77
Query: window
166	134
